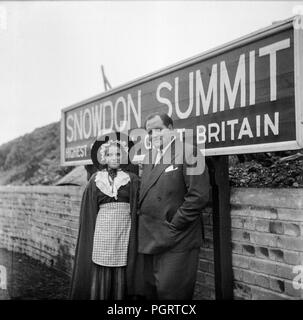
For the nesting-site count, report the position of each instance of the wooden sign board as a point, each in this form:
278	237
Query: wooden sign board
242	97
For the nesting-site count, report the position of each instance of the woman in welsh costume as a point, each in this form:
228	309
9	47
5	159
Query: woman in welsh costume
106	261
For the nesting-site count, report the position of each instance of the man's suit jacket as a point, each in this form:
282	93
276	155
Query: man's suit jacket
170	204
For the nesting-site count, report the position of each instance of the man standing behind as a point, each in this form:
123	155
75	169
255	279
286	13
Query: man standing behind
169	225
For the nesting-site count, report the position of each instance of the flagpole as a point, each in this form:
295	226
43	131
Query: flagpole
90	169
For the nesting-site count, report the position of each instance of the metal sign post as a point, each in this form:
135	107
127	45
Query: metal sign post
218	170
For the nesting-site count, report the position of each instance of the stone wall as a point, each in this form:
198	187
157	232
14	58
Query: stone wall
267	236
267	242
42	222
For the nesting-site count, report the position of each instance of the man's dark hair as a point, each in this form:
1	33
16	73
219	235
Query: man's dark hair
166	119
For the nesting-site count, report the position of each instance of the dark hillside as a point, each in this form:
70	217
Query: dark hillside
33	158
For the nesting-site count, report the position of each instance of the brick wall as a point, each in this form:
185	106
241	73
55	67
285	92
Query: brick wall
267	236
267	241
42	222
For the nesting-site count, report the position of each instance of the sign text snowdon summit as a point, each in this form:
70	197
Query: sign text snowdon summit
220	96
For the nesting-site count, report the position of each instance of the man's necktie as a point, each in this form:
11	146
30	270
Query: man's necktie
158	157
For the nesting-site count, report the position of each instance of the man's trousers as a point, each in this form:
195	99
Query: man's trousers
170	275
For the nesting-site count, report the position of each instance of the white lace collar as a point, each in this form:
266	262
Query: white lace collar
103	184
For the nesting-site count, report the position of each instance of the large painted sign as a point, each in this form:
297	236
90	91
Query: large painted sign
245	96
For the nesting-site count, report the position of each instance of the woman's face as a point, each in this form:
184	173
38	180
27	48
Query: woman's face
113	157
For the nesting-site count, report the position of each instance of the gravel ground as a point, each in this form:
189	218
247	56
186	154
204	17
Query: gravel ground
28	279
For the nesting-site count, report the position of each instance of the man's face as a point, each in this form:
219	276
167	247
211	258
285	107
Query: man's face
159	134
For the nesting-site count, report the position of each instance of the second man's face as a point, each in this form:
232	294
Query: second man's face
159	134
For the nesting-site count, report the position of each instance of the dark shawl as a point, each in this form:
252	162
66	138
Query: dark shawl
82	271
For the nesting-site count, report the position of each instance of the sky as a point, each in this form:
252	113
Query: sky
51	52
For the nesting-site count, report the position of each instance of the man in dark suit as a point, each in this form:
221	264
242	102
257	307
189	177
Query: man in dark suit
169	225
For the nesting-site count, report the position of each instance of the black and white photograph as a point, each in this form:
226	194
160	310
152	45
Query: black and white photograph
151	153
